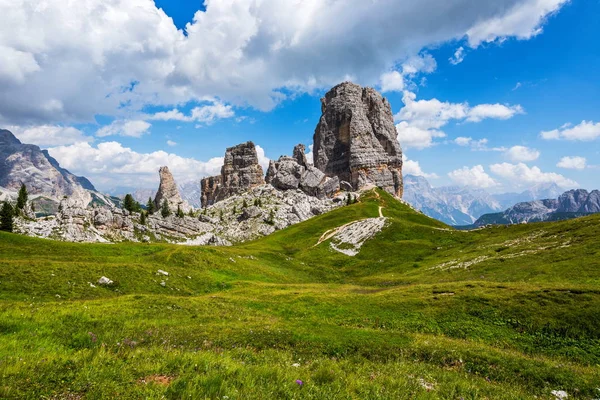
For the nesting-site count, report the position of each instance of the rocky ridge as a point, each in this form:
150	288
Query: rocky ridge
571	204
42	175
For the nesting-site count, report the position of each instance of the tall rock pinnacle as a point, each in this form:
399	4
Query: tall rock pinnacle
240	172
167	190
356	139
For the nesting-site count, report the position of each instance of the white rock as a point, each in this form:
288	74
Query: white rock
161	272
560	394
163	283
105	281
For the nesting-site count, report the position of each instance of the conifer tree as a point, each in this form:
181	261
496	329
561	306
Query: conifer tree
151	208
6	217
165	211
129	203
179	212
143	218
245	204
22	199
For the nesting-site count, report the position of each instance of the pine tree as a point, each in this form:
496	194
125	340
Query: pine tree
143	218
191	213
6	217
245	204
256	202
349	199
151	208
259	202
22	199
129	203
165	211
179	213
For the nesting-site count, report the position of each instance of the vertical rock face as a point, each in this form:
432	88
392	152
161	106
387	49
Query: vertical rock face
167	190
356	139
240	172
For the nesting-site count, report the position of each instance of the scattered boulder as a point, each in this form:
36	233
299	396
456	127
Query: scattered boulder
356	139
161	272
105	281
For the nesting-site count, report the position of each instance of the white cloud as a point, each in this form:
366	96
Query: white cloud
411	167
69	61
572	163
392	82
520	175
458	57
517	86
135	128
476	144
522	20
49	135
585	131
494	111
473	177
206	114
171	143
310	156
109	163
263	160
421	120
522	154
414	137
420	63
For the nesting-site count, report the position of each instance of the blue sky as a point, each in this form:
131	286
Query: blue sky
142	89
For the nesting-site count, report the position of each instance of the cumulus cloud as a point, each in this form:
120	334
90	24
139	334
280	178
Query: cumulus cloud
392	82
421	120
473	177
520	175
69	61
110	162
476	144
585	131
49	135
411	167
206	114
572	163
458	57
135	128
522	154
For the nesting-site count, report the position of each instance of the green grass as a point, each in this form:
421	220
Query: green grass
403	319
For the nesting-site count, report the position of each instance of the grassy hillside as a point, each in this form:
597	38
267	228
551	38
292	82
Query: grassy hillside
423	311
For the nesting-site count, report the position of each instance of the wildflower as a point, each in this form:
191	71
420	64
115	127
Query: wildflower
299	382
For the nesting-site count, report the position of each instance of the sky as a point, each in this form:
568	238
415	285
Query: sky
498	95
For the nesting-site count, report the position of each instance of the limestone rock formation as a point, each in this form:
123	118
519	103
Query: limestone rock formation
240	172
356	139
41	174
168	190
290	173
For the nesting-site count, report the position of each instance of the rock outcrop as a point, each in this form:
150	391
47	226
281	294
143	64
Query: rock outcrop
240	172
41	174
291	173
168	190
356	139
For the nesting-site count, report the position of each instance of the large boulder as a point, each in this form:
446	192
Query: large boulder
240	172
356	139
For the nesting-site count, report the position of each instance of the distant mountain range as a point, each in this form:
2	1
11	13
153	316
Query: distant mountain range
463	206
571	204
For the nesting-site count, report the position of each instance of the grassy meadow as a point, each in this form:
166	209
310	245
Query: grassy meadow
423	312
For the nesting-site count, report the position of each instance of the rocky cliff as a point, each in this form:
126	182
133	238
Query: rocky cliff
168	190
356	139
41	174
240	172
